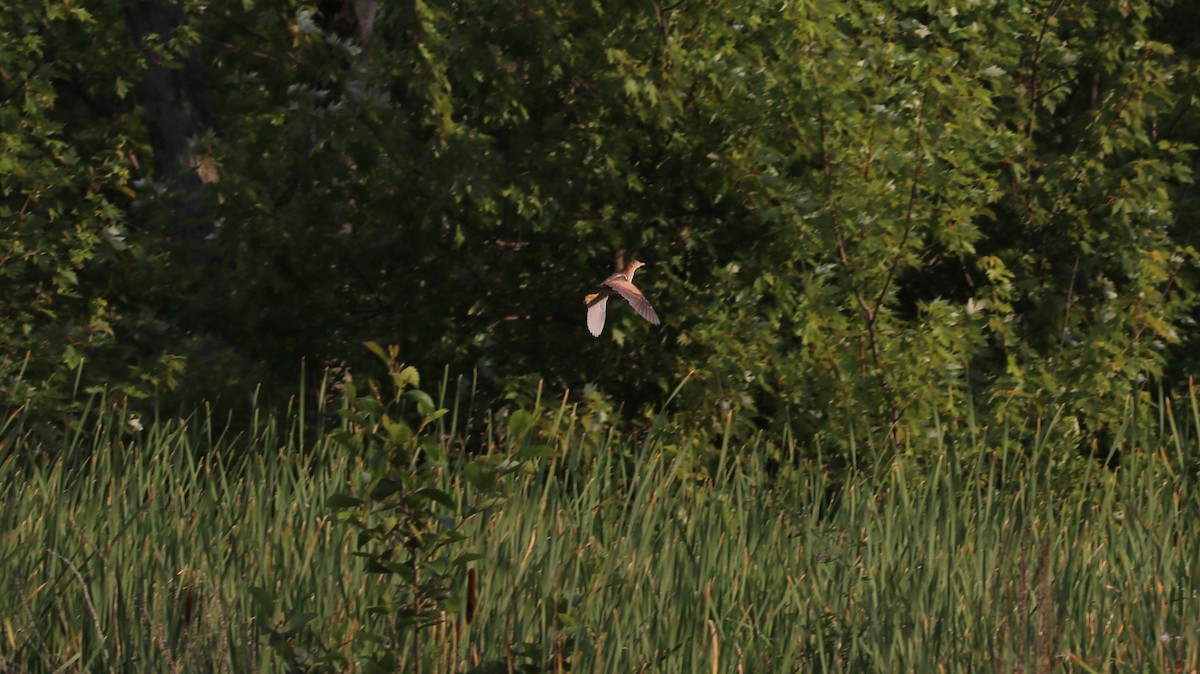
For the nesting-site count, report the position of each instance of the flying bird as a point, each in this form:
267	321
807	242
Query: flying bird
620	283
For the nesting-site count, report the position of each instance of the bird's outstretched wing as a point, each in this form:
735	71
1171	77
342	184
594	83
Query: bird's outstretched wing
597	310
632	295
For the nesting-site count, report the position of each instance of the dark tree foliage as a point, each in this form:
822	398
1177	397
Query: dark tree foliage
895	212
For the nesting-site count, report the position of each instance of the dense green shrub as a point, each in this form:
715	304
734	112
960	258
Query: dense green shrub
842	207
76	271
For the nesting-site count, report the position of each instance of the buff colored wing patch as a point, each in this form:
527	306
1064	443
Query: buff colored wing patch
635	298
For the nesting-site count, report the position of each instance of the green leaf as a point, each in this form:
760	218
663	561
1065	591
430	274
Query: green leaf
536	452
374	348
466	558
480	477
485	504
434	416
424	402
264	604
409	378
398	432
342	500
520	423
384	488
297	623
435	495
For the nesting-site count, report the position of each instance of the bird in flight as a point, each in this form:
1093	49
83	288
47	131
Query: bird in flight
620	283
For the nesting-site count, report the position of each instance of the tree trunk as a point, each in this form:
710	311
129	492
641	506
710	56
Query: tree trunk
177	111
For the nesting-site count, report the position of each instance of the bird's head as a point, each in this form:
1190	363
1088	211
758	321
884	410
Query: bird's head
633	267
